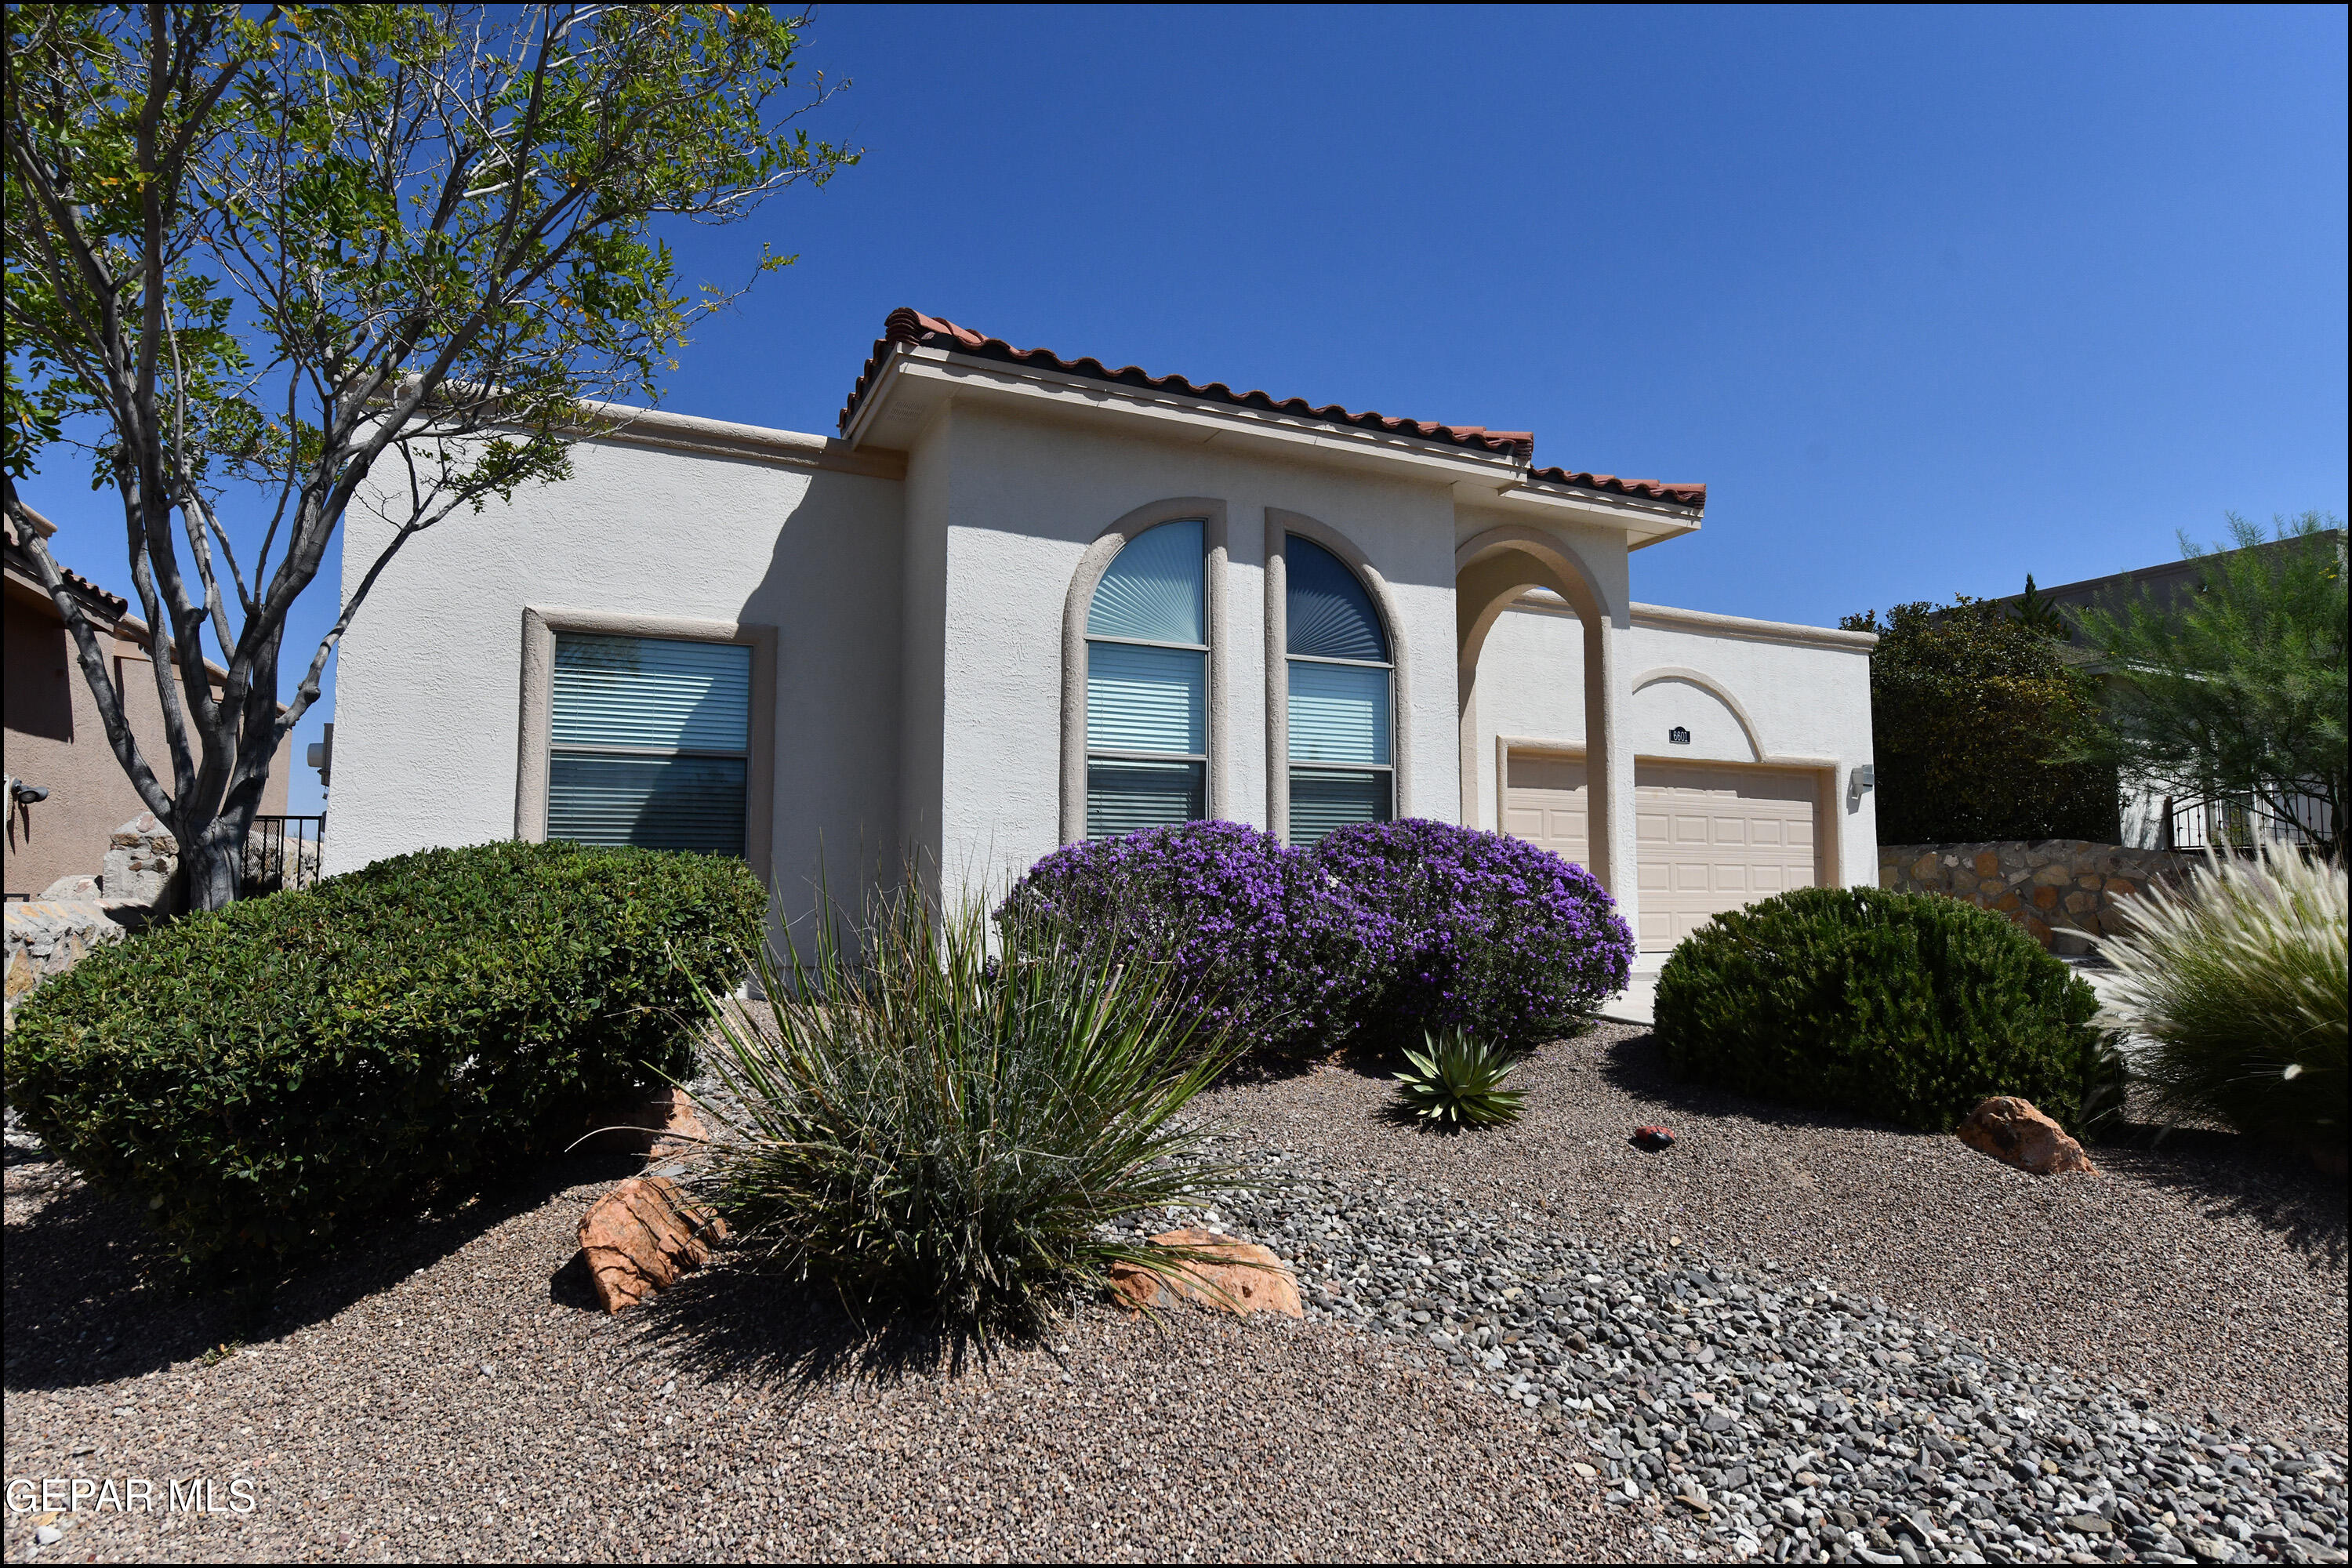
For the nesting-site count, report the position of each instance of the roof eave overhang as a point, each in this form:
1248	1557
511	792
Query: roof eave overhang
913	381
1643	521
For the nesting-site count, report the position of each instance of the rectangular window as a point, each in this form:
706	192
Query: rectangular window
1146	736
1340	744
651	742
1322	799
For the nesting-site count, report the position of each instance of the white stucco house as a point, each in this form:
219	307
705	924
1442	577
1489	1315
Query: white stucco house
1019	599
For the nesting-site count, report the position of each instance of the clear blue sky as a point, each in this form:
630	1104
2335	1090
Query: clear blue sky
1928	299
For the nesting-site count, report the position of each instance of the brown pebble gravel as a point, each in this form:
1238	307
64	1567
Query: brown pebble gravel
2208	1271
733	1418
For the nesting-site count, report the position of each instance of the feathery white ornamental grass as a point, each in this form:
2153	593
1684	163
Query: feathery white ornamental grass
2236	984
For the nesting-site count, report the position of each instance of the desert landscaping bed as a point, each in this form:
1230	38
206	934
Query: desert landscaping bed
2166	1338
457	1397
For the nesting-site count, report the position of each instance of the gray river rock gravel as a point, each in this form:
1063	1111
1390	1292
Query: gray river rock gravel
1780	1418
2209	1273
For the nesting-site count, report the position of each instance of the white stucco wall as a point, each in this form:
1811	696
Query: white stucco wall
1805	702
1028	494
428	690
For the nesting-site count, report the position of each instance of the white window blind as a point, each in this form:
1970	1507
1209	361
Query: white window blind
1148	685
651	743
1340	696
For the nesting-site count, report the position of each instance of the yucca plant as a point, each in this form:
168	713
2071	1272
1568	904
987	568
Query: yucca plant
929	1124
2235	985
1457	1082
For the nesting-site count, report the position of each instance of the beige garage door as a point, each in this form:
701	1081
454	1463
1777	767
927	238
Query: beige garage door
1713	838
1544	803
1710	838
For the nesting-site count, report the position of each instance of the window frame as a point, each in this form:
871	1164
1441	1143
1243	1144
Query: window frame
535	747
1078	604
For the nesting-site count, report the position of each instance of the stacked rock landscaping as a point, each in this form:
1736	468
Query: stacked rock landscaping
2061	890
1778	1418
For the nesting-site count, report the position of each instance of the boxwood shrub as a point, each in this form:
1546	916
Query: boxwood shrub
268	1080
1478	932
1267	950
1907	1007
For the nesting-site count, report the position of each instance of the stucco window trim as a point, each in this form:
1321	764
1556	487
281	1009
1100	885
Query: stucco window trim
542	625
1080	600
1279	526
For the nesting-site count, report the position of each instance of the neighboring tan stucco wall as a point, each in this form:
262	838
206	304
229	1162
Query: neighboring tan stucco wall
55	739
1028	494
428	685
1808	703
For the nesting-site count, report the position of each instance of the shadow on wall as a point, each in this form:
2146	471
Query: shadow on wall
834	590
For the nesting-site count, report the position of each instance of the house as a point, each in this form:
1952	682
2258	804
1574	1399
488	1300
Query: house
1018	599
2151	818
66	792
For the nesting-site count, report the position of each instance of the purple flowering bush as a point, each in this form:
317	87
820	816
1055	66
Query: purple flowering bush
1267	951
1481	932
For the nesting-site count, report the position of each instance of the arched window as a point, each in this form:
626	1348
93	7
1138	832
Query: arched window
1148	685
1341	769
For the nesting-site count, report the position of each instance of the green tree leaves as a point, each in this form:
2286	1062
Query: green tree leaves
1977	721
2238	690
290	258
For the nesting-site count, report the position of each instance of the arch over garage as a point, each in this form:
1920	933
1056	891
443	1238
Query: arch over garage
1491	570
1716	688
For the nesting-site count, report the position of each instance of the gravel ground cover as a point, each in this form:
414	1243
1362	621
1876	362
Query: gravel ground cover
1784	1419
1785	1339
2208	1275
455	1397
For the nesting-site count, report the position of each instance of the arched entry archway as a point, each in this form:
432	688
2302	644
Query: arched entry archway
1491	570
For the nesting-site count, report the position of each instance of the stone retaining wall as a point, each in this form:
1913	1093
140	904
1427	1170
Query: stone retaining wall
48	937
2063	891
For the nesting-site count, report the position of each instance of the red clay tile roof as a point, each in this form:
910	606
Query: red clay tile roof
909	326
1656	489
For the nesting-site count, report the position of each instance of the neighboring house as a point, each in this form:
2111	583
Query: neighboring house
55	740
1020	600
2151	818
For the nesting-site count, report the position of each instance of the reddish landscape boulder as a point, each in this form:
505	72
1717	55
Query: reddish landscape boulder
2012	1131
1243	1278
640	1237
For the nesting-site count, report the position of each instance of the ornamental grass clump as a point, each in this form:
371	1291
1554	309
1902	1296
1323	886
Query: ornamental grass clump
1909	1008
1478	931
1263	948
930	1126
1457	1081
2235	987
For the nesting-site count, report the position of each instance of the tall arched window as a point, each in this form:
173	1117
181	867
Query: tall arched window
1341	769
1148	685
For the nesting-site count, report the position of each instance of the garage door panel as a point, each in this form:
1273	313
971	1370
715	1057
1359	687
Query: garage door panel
1736	835
1545	802
1708	838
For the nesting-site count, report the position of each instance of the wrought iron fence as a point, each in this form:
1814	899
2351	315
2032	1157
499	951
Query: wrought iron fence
2241	824
282	855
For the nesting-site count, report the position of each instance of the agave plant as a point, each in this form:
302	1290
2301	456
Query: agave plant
933	1121
2235	985
1458	1082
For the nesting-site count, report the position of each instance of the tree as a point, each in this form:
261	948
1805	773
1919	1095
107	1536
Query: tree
2236	692
270	255
1974	716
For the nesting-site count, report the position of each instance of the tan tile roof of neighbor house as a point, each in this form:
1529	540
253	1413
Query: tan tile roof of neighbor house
909	326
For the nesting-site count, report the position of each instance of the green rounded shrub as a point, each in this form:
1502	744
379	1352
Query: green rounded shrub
1908	1007
266	1079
